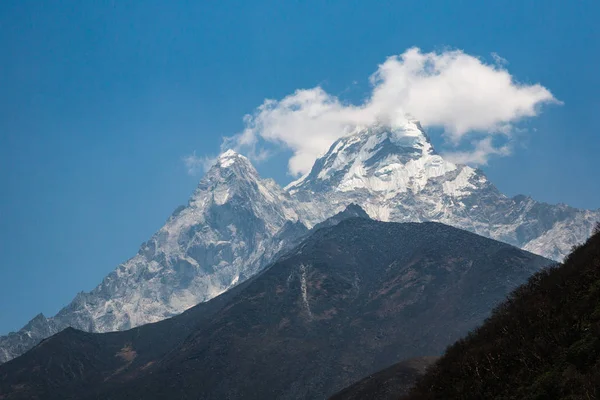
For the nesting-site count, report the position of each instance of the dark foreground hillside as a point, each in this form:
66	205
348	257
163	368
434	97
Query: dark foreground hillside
388	384
542	343
350	300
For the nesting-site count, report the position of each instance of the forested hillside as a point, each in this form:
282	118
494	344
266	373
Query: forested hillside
542	343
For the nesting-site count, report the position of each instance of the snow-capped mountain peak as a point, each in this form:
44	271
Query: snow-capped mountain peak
220	238
395	174
375	166
231	173
231	157
377	158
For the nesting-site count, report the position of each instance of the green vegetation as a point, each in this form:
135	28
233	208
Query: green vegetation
542	343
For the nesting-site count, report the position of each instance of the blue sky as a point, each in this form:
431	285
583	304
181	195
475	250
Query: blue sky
101	100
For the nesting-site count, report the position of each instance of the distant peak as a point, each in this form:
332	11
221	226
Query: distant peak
40	316
228	154
406	127
409	129
230	157
379	151
230	170
405	137
355	210
369	147
35	321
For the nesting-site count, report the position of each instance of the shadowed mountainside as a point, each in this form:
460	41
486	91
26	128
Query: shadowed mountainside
542	343
348	301
389	383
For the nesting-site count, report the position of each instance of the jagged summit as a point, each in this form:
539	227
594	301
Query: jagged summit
232	174
230	157
226	168
375	167
377	158
229	153
231	162
36	320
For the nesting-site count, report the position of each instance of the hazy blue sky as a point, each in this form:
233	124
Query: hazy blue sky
101	100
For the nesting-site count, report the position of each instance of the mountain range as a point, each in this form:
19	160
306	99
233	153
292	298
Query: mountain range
354	296
236	223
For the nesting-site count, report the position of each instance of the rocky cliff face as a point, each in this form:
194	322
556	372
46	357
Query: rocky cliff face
223	236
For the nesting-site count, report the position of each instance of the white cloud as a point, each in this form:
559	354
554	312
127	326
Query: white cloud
482	150
195	164
498	59
451	90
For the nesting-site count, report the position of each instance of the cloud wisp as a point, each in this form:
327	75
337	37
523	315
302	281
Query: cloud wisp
480	153
457	92
196	164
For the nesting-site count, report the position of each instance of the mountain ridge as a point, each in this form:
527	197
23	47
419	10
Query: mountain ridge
218	240
541	343
235	223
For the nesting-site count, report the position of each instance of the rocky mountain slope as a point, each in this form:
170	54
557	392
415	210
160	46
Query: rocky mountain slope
349	300
224	235
236	222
